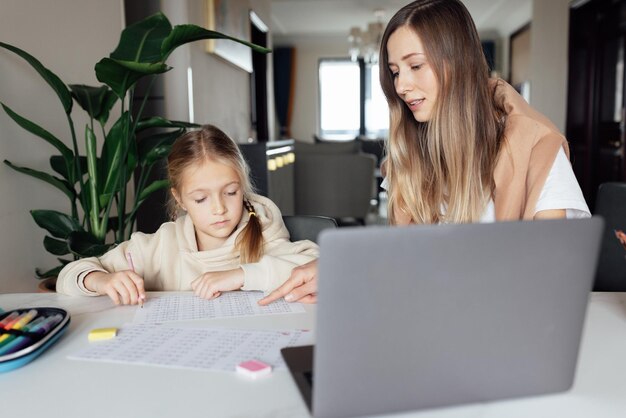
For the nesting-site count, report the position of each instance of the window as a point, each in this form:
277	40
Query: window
376	109
339	99
351	100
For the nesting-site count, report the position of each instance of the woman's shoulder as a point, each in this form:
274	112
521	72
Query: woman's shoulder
519	112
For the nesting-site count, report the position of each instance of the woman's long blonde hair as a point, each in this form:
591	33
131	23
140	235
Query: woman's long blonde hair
210	143
442	170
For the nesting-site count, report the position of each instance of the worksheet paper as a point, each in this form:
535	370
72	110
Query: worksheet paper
187	307
215	349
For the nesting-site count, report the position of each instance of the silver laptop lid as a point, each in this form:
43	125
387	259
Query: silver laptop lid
427	316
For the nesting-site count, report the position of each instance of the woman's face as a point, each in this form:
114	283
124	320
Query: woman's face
413	77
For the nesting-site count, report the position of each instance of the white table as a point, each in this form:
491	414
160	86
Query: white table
53	386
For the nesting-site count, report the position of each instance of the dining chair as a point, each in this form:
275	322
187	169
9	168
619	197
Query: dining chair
308	227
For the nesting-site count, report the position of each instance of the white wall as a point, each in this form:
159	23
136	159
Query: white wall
221	90
549	42
69	37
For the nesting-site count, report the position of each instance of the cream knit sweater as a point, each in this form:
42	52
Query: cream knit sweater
169	259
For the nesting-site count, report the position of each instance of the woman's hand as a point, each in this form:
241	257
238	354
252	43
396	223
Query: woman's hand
300	287
123	287
211	285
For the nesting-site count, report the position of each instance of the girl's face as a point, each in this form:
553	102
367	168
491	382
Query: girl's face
212	196
414	79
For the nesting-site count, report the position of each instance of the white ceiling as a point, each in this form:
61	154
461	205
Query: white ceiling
335	17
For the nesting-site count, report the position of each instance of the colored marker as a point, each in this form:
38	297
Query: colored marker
131	265
19	322
47	325
12	322
10	317
24	341
26	328
30	315
31	325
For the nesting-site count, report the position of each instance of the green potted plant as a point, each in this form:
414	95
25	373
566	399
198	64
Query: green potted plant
96	183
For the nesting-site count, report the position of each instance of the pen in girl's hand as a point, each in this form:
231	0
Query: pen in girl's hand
129	258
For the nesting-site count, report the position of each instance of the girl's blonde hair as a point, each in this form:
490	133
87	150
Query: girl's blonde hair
210	143
442	170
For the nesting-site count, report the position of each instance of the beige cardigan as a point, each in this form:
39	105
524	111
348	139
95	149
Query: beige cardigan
531	143
529	149
527	155
169	259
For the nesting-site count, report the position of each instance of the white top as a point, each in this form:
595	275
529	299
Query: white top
560	191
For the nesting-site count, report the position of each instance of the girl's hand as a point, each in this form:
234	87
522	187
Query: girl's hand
211	285
123	287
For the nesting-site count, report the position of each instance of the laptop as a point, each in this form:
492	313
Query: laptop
430	316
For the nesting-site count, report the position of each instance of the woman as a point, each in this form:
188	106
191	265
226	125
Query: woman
462	147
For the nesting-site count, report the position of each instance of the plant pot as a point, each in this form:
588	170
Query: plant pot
47	285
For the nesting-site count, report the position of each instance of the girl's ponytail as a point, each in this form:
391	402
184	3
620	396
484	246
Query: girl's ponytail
250	240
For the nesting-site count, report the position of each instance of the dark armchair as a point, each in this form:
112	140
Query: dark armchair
611	205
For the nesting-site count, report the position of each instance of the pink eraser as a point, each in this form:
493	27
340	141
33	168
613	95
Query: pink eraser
254	368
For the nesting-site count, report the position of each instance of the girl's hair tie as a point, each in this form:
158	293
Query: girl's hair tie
249	208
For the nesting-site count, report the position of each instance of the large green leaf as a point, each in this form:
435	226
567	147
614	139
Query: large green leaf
92	169
52	79
33	128
149	143
119	77
96	101
137	54
111	159
157	153
182	34
144	68
60	184
55	246
58	164
109	101
58	224
153	187
84	244
141	41
159	122
52	272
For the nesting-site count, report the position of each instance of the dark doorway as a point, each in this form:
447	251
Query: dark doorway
595	110
258	80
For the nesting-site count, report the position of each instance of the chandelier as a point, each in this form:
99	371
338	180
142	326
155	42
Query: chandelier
366	44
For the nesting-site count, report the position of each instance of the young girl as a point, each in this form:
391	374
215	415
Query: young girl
462	147
228	238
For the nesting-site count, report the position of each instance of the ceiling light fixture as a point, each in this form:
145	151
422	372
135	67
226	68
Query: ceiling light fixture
366	44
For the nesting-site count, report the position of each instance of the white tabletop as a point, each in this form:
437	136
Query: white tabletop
54	386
